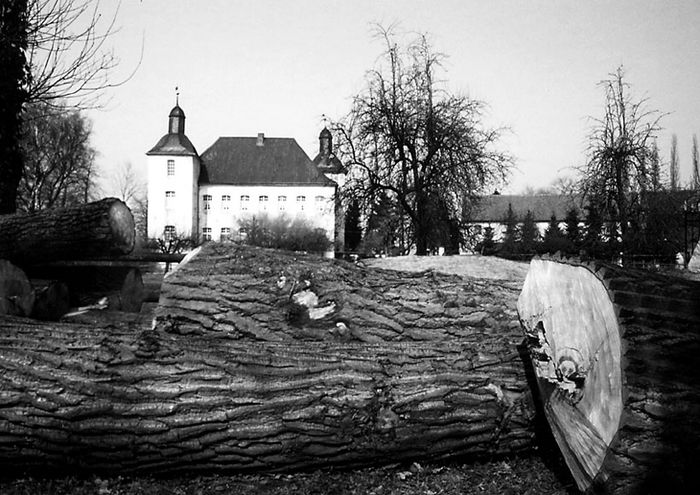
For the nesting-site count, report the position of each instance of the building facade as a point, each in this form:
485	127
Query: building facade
210	195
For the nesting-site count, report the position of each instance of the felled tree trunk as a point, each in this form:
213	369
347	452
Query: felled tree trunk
254	375
615	352
102	228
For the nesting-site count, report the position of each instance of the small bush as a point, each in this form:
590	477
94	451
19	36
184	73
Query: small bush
282	233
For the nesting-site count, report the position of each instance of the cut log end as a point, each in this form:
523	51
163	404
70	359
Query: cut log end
123	227
616	380
575	348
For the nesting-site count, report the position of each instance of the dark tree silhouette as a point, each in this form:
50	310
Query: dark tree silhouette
408	137
14	77
353	230
620	145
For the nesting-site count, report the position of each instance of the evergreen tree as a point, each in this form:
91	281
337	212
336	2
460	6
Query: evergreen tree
696	165
529	235
488	245
353	230
592	238
510	236
554	239
573	231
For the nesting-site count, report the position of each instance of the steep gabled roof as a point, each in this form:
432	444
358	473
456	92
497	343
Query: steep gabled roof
173	144
240	160
494	208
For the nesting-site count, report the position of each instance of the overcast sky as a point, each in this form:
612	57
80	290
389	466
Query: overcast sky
276	67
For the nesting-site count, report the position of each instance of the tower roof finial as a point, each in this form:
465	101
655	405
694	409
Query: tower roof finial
177	96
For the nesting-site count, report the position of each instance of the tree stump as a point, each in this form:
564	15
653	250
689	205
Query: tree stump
252	372
615	352
52	300
16	292
99	229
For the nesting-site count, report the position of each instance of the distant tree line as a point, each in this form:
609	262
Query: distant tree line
656	235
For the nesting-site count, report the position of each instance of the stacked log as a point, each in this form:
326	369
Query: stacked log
276	361
92	230
66	252
615	352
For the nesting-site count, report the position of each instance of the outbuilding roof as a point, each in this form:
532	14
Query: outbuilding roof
261	160
495	207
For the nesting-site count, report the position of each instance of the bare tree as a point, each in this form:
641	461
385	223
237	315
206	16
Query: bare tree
674	169
59	167
619	148
126	185
67	52
408	137
696	164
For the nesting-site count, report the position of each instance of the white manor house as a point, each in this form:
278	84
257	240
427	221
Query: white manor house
239	177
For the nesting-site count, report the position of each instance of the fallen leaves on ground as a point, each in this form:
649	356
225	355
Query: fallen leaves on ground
520	475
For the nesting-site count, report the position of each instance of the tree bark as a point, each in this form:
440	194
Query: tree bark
102	228
266	295
252	376
16	292
615	353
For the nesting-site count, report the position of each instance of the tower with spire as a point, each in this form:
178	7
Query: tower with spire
173	173
330	165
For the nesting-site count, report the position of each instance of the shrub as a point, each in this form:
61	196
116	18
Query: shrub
282	233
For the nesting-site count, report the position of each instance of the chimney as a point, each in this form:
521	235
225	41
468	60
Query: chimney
261	139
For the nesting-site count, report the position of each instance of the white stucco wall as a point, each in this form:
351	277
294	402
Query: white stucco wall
179	211
227	214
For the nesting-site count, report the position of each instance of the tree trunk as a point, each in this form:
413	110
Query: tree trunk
615	352
260	294
102	228
16	293
250	371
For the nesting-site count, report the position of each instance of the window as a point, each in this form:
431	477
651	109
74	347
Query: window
207	201
244	202
263	202
169	194
225	233
171	168
169	232
300	201
206	234
282	200
225	201
320	203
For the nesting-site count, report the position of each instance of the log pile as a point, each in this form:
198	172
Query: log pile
55	259
267	360
615	352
